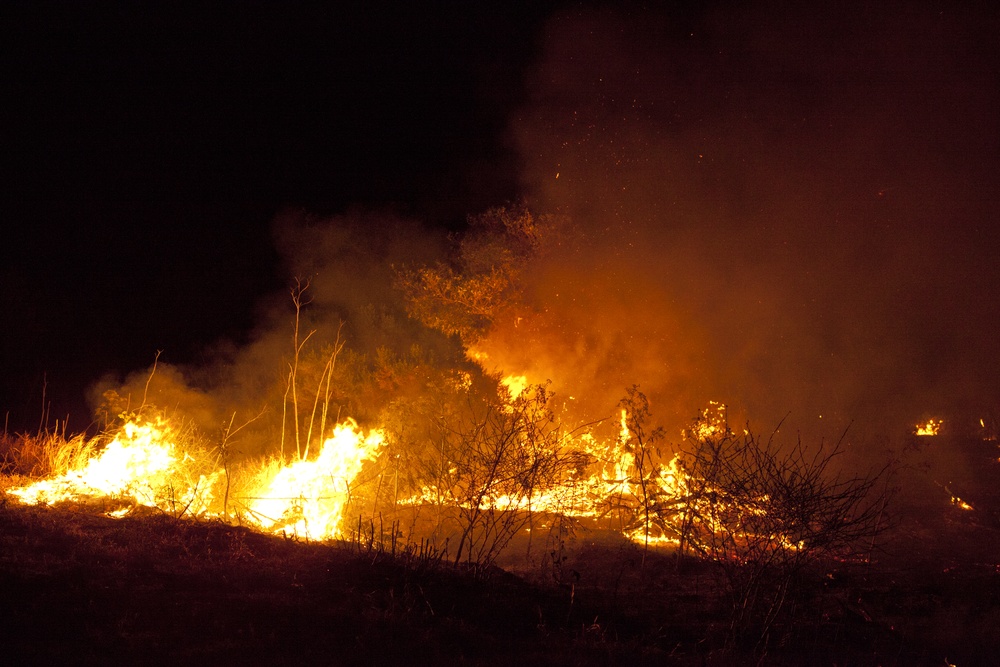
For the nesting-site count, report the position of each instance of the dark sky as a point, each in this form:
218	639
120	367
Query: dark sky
782	207
148	146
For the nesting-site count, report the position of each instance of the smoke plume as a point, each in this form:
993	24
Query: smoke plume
787	211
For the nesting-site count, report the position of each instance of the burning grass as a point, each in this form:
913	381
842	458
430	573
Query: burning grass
756	581
150	463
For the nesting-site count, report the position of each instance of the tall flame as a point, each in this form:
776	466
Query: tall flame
307	498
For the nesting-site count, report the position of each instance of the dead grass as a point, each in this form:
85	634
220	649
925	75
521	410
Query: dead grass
151	589
81	588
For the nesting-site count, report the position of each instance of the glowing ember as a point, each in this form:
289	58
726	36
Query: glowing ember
712	422
307	498
961	504
932	427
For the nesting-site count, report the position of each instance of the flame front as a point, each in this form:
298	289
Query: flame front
620	482
141	465
307	498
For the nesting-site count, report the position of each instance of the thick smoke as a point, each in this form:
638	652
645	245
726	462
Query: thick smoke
346	265
786	210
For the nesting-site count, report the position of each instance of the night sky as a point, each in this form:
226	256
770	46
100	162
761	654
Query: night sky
147	147
781	207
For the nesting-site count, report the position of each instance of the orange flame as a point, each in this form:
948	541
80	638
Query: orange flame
932	427
140	465
308	498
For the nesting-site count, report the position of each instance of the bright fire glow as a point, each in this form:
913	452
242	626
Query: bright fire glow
307	498
516	384
932	427
141	465
961	504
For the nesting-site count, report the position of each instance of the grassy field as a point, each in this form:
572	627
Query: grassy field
79	588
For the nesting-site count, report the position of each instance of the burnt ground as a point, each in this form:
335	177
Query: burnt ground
79	588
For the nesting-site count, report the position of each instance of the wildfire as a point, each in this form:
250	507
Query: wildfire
931	427
141	465
307	498
613	487
516	384
519	463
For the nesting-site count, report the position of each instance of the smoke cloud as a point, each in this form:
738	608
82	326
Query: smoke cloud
346	265
786	210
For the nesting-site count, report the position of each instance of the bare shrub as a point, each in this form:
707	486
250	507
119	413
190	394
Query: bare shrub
486	458
639	439
762	513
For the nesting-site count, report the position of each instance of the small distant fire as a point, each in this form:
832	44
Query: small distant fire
961	504
929	428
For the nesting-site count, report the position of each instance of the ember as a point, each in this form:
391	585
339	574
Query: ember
931	427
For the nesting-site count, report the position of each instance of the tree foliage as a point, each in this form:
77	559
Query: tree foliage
482	280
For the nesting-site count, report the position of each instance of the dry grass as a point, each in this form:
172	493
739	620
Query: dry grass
151	588
42	454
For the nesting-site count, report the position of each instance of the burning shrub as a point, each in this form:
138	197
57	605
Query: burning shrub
486	462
